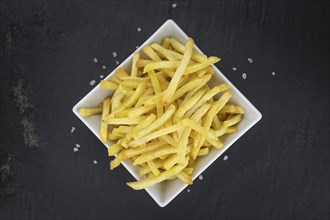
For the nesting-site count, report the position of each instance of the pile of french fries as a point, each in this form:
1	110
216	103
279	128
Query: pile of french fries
163	115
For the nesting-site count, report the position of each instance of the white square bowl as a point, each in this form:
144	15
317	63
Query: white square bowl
165	192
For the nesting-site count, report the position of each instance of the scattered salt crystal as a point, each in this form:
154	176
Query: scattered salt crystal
72	129
104	67
75	149
117	62
174	5
137	47
95	161
92	82
188	190
273	73
77	145
244	76
139	29
225	157
95	60
234	68
250	60
114	54
101	76
200	177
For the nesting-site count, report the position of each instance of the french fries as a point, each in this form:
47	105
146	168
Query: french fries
162	115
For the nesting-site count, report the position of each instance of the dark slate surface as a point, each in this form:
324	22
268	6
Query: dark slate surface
278	170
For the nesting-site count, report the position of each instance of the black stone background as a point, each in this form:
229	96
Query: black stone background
278	170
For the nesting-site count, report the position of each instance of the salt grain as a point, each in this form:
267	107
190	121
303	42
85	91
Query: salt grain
188	190
200	177
114	54
139	29
250	60
234	68
137	47
95	161
72	129
244	76
117	62
77	145
273	73
174	5
104	67
75	149
101	76
92	82
95	60
225	157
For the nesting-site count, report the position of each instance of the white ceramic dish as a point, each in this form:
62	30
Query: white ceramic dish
165	192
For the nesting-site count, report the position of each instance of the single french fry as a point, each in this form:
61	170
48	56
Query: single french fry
142	63
122	121
121	73
168	96
231	109
199	66
104	126
90	111
166	43
114	80
136	57
161	65
114	149
184	177
104	84
203	152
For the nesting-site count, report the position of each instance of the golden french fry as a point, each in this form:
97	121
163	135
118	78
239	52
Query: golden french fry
114	149
199	66
136	57
104	84
231	109
203	151
104	126
172	87
90	111
184	177
161	65
142	63
121	73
